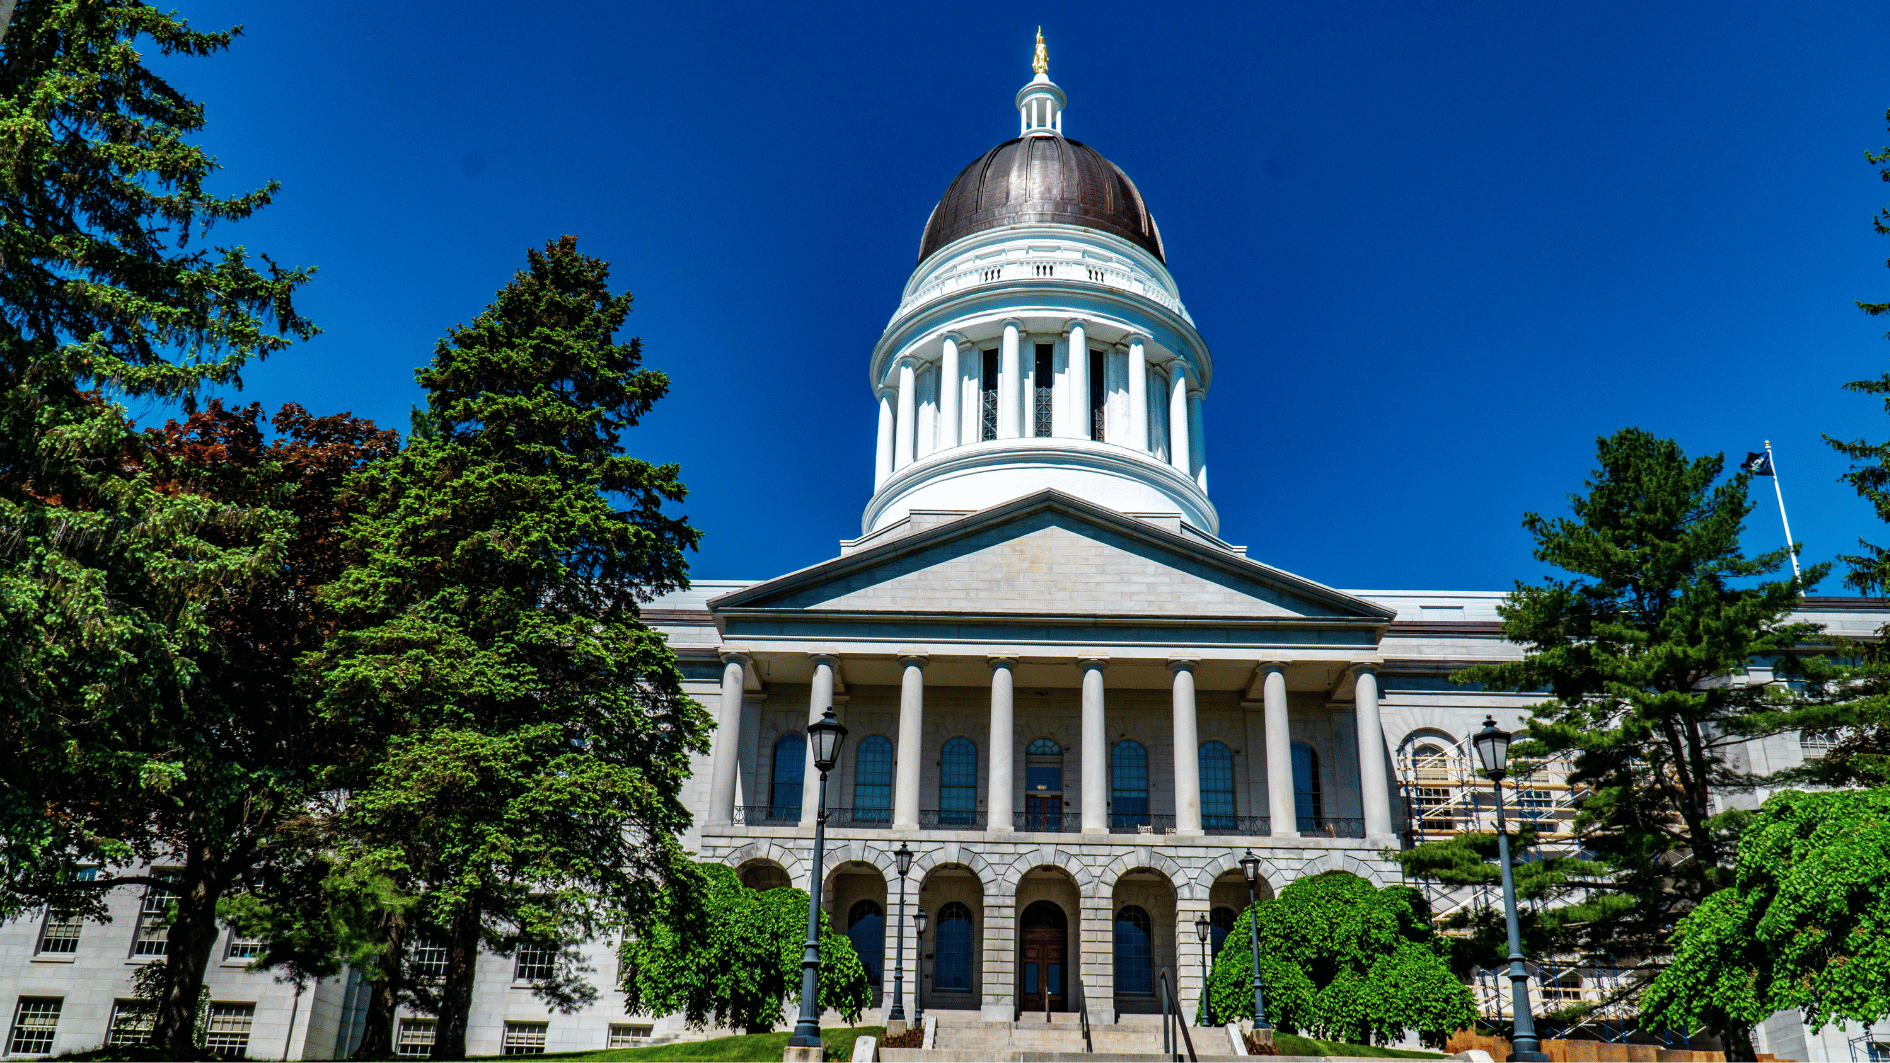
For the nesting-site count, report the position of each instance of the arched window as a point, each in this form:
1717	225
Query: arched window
958	783
790	769
1128	784
952	950
1430	766
866	928
1135	951
1307	803
872	780
1220	924
1217	786
1043	785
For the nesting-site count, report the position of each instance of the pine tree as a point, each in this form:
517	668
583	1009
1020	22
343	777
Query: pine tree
110	569
537	729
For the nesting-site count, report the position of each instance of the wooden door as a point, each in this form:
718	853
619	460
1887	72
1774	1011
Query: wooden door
1043	812
1040	982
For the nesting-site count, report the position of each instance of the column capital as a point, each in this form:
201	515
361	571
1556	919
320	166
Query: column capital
954	336
1363	668
917	657
1095	661
736	653
1178	664
1001	660
1264	667
824	655
1012	322
1135	338
1197	392
1073	324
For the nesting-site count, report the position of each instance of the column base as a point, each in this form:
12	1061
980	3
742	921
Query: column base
1189	834
1000	830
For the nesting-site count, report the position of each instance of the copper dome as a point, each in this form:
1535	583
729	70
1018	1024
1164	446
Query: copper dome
1041	180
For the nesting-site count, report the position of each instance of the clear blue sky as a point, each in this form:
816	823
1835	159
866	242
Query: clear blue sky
1437	249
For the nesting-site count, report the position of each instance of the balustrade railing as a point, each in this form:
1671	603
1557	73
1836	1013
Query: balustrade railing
1329	827
950	819
1141	824
1047	822
1248	825
767	815
859	817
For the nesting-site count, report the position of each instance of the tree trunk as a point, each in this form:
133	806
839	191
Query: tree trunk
462	957
187	952
377	1037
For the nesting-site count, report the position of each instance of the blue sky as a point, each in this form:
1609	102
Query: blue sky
1437	249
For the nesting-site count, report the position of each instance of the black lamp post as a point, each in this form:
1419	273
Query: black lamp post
902	858
825	735
1250	866
1492	745
918	967
1201	930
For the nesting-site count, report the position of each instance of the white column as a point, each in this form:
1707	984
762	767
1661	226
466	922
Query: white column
1373	793
1197	436
883	459
1078	397
728	740
911	735
1187	752
819	700
1010	394
997	802
1179	447
906	427
1095	748
1138	394
1279	754
950	389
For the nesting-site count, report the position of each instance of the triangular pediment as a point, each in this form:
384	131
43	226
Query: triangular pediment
1052	555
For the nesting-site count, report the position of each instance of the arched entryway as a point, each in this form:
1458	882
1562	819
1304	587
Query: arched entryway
951	967
856	904
1048	906
1143	939
762	875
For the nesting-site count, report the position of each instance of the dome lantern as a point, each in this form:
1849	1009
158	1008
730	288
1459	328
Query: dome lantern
1040	103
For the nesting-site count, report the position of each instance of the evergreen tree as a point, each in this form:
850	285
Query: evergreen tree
111	569
537	729
1641	651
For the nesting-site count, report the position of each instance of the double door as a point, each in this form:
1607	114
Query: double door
1043	812
1041	979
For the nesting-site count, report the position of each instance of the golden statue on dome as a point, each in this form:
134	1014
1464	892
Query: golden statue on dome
1041	63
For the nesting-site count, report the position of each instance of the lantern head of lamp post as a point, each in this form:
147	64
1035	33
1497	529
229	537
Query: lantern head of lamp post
826	734
1492	748
1250	866
1201	928
902	858
918	921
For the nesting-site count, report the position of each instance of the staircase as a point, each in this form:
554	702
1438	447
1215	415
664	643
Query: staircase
964	1038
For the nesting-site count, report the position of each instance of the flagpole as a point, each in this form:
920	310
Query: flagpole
1782	519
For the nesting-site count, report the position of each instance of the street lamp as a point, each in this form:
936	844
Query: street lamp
826	736
1492	745
1250	866
1201	929
918	967
902	859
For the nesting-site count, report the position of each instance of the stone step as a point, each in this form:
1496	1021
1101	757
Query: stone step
960	1055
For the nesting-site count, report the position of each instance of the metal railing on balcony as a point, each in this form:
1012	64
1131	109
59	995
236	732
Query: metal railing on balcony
1047	822
950	819
1141	823
1329	827
767	815
859	817
1255	826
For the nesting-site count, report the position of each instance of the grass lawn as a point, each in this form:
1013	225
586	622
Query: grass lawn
1292	1045
746	1048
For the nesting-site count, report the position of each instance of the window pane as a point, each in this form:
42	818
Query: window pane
987	396
628	1035
154	922
1098	392
228	1033
416	1037
958	780
61	934
429	963
1128	798
1217	785
1306	793
952	948
131	1023
790	769
534	965
524	1039
1135	952
35	1021
1044	379
872	773
866	929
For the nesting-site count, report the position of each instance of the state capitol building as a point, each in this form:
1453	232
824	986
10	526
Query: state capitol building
1066	690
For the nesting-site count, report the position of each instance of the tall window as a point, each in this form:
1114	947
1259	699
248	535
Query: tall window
228	1032
132	1021
428	963
61	932
790	770
1217	786
35	1021
1135	951
1128	784
416	1037
958	782
1220	924
866	928
1307	803
1431	765
1044	387
534	964
872	780
952	950
987	396
1043	785
523	1039
154	920
1098	391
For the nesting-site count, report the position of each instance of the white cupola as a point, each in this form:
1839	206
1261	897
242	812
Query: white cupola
1040	343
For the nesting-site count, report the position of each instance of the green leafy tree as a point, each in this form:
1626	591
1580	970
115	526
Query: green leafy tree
1805	924
537	732
722	954
1344	960
1641	649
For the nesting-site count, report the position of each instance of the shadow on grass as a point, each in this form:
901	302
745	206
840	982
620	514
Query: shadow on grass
742	1048
1294	1045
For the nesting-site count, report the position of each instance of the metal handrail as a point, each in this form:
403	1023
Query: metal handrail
1171	1005
1082	1012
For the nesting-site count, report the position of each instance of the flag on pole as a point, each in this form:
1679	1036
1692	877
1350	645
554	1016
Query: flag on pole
1759	464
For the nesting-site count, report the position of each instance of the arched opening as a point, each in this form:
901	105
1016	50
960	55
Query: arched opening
1043	786
1128	785
958	783
857	901
1220	924
1217	787
1047	902
866	929
790	770
951	956
1308	800
954	954
1430	770
1135	952
763	875
872	780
